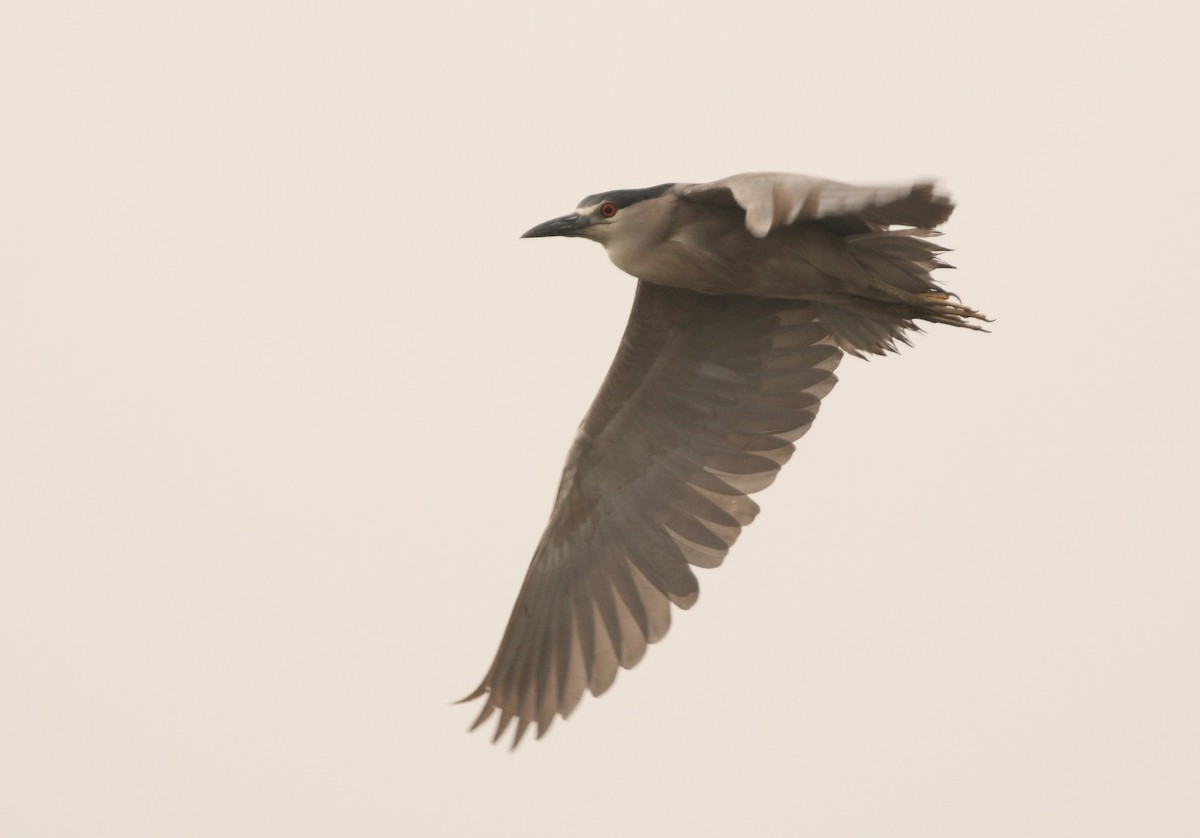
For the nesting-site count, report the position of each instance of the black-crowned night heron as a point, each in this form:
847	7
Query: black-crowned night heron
749	290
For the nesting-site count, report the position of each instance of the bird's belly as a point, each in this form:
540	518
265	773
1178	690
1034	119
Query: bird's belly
771	267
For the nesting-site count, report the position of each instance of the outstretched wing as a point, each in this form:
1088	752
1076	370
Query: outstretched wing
776	199
700	408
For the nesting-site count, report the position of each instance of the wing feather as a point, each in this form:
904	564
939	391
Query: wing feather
699	409
778	199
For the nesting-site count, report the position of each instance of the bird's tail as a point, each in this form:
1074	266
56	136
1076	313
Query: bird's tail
896	273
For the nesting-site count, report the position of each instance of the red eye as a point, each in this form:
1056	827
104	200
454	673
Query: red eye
608	209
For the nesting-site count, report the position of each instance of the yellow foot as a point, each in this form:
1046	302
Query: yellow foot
937	307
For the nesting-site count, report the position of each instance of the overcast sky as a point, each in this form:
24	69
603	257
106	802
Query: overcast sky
285	401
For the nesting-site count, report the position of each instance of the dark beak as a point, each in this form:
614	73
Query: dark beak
565	225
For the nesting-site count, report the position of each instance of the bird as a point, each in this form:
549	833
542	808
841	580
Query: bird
750	289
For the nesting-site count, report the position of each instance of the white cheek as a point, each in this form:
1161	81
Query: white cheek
619	253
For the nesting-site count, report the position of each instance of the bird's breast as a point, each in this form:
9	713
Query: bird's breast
717	259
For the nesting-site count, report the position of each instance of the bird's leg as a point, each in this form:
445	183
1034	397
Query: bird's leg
939	307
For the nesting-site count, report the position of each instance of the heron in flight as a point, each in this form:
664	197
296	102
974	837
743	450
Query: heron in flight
750	289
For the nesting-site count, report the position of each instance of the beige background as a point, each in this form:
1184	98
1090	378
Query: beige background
285	401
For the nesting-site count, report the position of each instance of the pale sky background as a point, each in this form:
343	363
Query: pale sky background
285	401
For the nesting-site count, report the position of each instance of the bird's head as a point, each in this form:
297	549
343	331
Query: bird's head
606	216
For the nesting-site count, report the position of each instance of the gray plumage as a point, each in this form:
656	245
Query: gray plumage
750	289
